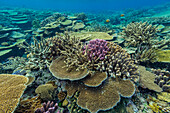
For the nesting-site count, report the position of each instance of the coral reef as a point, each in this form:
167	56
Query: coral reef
147	80
46	91
12	88
162	79
96	49
72	106
39	55
50	107
108	94
28	105
139	33
59	71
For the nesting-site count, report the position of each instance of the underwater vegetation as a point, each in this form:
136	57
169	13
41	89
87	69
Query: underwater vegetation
66	62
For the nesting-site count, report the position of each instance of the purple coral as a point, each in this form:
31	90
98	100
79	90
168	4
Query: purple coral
49	107
96	49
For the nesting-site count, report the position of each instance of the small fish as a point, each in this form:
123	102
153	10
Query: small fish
108	20
122	15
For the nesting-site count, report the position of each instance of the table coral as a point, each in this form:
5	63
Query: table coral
11	89
59	72
104	97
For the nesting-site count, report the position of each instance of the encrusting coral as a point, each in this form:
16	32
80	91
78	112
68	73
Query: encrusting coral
11	89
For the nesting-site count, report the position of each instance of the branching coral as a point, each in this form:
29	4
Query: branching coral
139	33
50	107
39	54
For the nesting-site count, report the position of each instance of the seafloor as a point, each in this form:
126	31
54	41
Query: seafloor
88	62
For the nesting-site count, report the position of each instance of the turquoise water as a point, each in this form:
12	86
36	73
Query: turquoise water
82	5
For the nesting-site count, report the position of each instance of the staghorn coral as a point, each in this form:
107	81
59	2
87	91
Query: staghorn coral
107	92
11	89
14	63
39	54
162	79
139	33
50	107
145	54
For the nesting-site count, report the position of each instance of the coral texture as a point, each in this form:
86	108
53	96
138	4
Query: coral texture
162	79
46	91
104	97
138	33
147	80
49	107
59	71
28	105
96	49
11	89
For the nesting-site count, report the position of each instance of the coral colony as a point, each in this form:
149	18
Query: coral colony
84	63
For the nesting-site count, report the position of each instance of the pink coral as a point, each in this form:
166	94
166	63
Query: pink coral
96	49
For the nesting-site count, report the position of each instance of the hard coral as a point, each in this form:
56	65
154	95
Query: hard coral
49	107
59	71
139	33
104	97
96	49
147	80
46	91
39	54
28	105
162	78
11	89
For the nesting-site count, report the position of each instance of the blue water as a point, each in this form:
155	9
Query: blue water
82	5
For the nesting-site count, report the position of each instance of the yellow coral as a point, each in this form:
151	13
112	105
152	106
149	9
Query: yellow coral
164	96
11	89
155	107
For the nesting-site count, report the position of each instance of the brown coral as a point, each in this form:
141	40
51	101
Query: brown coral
59	71
162	79
147	80
95	79
11	89
104	97
29	105
46	91
137	33
61	95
